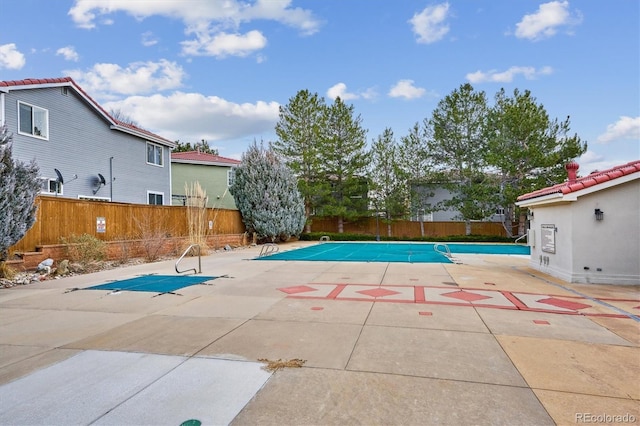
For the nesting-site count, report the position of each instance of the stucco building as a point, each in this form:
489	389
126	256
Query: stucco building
587	229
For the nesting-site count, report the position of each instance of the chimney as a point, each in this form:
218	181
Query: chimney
572	169
198	149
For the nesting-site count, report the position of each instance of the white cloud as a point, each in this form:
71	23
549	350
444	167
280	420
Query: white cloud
546	21
406	89
10	57
193	116
215	24
148	39
69	53
340	90
223	44
429	25
591	162
624	128
106	80
493	76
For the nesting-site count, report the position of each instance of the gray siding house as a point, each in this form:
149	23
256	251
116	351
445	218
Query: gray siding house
429	197
81	150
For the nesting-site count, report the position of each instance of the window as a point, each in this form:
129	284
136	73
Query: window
155	198
50	186
33	121
154	154
231	175
500	211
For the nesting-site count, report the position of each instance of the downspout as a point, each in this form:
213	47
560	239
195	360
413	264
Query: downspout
2	122
111	178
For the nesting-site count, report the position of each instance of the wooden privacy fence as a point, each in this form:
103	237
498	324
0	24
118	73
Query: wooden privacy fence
407	229
59	218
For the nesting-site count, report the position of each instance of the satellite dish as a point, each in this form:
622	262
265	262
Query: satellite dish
102	181
60	179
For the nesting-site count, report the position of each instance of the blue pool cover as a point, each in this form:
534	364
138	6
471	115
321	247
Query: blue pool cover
154	283
391	252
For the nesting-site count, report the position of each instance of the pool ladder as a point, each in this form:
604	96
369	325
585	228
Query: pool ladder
446	252
268	248
187	251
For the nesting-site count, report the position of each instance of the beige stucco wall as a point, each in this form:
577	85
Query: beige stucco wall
588	250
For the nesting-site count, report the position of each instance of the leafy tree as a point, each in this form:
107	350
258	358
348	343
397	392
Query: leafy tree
202	146
528	149
266	194
458	148
299	131
388	188
19	186
343	150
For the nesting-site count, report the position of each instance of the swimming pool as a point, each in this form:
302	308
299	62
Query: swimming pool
392	252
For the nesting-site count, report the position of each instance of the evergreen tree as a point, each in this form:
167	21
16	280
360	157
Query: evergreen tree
388	189
202	146
345	163
266	194
458	149
299	131
528	149
415	166
19	186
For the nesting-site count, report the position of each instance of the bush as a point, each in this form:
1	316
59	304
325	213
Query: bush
315	236
85	248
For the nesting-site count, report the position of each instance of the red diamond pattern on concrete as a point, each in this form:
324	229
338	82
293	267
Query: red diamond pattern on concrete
466	296
566	304
378	292
297	289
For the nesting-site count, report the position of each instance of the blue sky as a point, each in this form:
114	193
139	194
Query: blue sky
218	70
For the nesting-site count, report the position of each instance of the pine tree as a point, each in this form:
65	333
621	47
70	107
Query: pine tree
528	149
458	148
343	150
267	196
389	191
19	186
299	133
415	166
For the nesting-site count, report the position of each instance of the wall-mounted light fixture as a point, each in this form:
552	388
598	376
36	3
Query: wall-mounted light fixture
530	214
599	214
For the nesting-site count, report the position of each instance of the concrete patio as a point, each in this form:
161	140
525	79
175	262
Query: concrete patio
488	341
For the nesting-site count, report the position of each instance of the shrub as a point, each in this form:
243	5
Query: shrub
85	248
315	236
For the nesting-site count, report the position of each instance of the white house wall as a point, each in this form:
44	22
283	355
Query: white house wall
588	250
609	248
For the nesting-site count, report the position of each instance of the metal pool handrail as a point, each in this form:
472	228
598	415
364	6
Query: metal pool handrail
447	251
192	246
268	248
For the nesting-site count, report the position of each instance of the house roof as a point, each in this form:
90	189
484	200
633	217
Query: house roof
594	181
39	83
196	157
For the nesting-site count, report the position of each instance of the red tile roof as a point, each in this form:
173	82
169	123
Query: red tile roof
595	178
68	81
195	156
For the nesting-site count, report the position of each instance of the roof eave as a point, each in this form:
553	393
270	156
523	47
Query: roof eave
144	135
203	163
556	197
